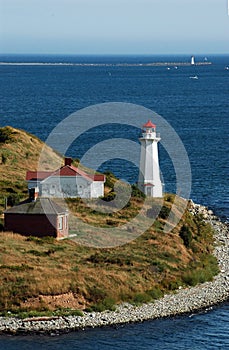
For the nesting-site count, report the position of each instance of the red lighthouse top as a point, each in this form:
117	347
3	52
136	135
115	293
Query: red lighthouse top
149	124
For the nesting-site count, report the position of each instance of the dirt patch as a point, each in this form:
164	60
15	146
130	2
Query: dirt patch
53	302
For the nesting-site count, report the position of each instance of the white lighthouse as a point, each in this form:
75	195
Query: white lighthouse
149	181
192	60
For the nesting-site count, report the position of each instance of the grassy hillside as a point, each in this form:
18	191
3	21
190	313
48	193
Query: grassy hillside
19	152
43	275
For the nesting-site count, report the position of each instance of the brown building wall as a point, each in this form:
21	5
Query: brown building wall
63	232
31	224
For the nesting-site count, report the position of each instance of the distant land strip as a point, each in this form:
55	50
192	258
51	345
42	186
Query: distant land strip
150	64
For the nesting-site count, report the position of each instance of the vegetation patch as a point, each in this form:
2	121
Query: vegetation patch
6	134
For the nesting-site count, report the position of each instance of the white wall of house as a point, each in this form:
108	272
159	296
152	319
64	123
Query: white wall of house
68	187
97	189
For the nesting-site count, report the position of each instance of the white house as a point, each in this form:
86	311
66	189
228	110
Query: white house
67	182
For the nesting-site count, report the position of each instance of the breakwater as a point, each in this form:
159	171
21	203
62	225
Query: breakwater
184	300
150	64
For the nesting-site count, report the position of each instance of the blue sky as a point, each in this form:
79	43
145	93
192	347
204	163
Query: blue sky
114	26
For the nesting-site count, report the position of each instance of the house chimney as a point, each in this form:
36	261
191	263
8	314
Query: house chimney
68	161
33	194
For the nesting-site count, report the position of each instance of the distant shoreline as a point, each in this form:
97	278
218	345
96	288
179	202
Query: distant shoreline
151	64
183	301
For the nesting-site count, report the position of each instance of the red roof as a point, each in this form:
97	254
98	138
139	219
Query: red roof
66	170
149	124
37	175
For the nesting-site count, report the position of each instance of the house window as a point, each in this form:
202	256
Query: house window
53	190
60	223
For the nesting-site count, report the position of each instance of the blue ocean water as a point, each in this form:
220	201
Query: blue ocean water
37	97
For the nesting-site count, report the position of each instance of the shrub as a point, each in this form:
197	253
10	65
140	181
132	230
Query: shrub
13	199
186	235
191	278
1	225
4	158
34	239
110	179
67	312
75	269
109	196
107	304
111	222
136	192
158	266
37	253
164	213
5	134
23	267
141	298
155	293
97	294
169	198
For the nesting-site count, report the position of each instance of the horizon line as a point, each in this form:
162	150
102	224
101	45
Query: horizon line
116	54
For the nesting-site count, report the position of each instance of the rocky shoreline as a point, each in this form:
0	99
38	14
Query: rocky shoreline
185	300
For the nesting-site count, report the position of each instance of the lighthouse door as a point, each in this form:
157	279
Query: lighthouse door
149	191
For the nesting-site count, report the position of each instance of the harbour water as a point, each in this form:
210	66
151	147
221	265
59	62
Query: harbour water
37	97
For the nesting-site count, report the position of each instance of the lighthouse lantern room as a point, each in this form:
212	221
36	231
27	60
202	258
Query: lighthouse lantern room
149	181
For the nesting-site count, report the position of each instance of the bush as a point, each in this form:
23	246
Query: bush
97	295
186	235
109	197
23	267
169	198
191	278
110	179
13	199
155	293
164	213
106	304
5	134
158	266
1	225
4	158
141	298
136	192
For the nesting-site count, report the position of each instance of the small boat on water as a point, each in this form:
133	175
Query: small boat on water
194	77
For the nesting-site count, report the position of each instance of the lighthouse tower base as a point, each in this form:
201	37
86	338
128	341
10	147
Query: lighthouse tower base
151	190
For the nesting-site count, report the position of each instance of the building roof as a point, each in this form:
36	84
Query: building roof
37	175
66	170
149	124
41	206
